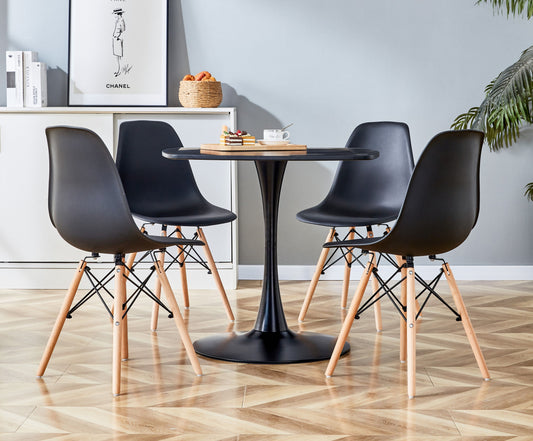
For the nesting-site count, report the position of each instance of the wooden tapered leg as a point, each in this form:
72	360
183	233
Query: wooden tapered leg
316	276
350	316
375	287
157	288
403	300
465	320
118	325
183	271
216	276
377	304
60	320
131	261
178	319
347	271
157	293
411	333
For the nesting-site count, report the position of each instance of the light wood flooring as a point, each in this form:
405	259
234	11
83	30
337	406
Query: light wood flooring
365	400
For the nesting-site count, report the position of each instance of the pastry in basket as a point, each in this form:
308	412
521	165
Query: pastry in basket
240	137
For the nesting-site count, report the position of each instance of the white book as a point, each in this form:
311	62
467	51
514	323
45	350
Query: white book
15	79
38	86
28	57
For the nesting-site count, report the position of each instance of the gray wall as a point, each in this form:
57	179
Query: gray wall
327	66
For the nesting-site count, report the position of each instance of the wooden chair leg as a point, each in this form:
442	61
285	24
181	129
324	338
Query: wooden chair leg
377	305
60	320
375	287
316	276
157	293
350	316
465	320
118	325
178	319
131	261
411	333
183	272
216	276
403	300
347	271
157	287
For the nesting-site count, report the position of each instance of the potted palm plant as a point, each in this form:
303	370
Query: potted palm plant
508	104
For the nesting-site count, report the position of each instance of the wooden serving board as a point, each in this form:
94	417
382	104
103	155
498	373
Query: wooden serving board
253	148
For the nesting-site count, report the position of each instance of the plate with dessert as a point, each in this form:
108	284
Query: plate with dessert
241	140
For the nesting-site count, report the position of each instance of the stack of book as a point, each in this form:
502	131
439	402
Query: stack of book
26	80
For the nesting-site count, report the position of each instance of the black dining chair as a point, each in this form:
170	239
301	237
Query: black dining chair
362	195
440	209
88	207
165	193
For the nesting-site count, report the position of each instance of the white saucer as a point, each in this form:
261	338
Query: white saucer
266	142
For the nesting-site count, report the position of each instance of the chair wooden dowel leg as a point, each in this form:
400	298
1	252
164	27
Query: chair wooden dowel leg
157	288
118	325
465	320
316	276
155	307
403	300
347	271
183	272
411	333
61	317
377	306
216	276
157	293
348	321
375	286
130	262
178	319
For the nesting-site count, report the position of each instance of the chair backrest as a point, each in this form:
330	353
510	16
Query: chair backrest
86	201
154	185
376	187
442	202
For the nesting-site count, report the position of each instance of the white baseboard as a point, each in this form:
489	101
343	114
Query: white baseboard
461	272
58	276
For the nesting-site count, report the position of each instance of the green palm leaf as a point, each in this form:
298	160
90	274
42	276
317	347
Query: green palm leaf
511	7
507	105
509	98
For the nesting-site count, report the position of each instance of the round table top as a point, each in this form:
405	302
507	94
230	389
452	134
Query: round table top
311	154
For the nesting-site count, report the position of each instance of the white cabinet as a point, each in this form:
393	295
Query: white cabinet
32	254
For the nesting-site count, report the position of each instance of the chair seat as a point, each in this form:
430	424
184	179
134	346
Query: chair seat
192	216
330	215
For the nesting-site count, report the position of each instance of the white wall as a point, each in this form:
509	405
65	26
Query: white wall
328	66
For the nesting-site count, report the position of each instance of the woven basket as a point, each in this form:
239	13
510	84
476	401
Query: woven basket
200	93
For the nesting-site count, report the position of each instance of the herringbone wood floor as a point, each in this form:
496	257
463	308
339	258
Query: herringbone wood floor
366	400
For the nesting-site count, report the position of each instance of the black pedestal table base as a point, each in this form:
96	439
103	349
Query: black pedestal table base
268	347
271	340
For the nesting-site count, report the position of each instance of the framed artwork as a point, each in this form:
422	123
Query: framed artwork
118	53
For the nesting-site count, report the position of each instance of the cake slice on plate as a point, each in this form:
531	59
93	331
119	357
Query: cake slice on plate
240	137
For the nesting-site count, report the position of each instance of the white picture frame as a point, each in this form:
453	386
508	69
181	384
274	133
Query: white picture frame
118	53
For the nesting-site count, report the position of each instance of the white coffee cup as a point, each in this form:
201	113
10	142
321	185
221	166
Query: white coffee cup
276	135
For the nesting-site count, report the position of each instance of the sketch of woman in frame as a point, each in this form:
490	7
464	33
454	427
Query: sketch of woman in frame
118	39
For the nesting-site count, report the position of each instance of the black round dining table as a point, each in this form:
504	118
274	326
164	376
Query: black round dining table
270	341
